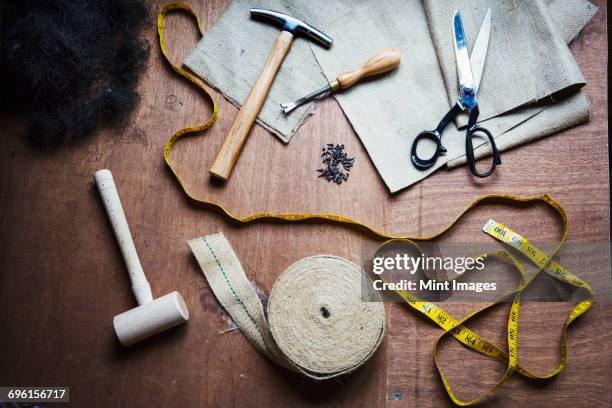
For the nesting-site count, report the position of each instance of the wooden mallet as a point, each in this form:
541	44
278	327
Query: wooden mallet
232	146
151	316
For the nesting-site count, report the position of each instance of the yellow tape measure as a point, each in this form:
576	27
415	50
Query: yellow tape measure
448	323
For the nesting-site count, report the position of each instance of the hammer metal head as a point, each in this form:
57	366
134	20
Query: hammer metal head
293	25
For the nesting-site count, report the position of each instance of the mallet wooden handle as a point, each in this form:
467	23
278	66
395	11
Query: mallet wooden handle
384	61
114	210
232	146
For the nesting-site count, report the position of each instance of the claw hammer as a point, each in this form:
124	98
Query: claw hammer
232	146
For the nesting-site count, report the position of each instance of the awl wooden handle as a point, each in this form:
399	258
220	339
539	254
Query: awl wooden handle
384	61
232	146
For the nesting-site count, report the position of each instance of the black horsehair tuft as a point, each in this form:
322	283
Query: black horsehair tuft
71	65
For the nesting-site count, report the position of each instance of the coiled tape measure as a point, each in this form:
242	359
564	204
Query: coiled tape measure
451	326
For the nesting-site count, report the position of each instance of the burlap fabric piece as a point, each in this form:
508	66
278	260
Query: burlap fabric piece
528	59
317	322
389	112
549	93
232	53
566	113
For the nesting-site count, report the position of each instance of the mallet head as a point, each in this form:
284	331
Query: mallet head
293	25
150	318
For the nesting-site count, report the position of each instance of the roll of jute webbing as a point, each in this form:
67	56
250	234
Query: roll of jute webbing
318	322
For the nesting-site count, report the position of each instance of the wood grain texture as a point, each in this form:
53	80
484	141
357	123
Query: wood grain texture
63	278
234	141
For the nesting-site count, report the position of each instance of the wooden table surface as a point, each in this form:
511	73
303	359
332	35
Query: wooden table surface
63	279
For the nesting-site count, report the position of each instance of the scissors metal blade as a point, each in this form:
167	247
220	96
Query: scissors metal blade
479	52
467	97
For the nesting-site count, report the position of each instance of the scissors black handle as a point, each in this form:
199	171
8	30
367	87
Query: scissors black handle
435	136
476	130
473	130
427	163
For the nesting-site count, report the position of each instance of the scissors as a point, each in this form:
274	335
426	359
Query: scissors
469	72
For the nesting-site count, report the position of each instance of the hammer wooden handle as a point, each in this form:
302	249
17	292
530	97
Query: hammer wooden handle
232	146
116	216
384	61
